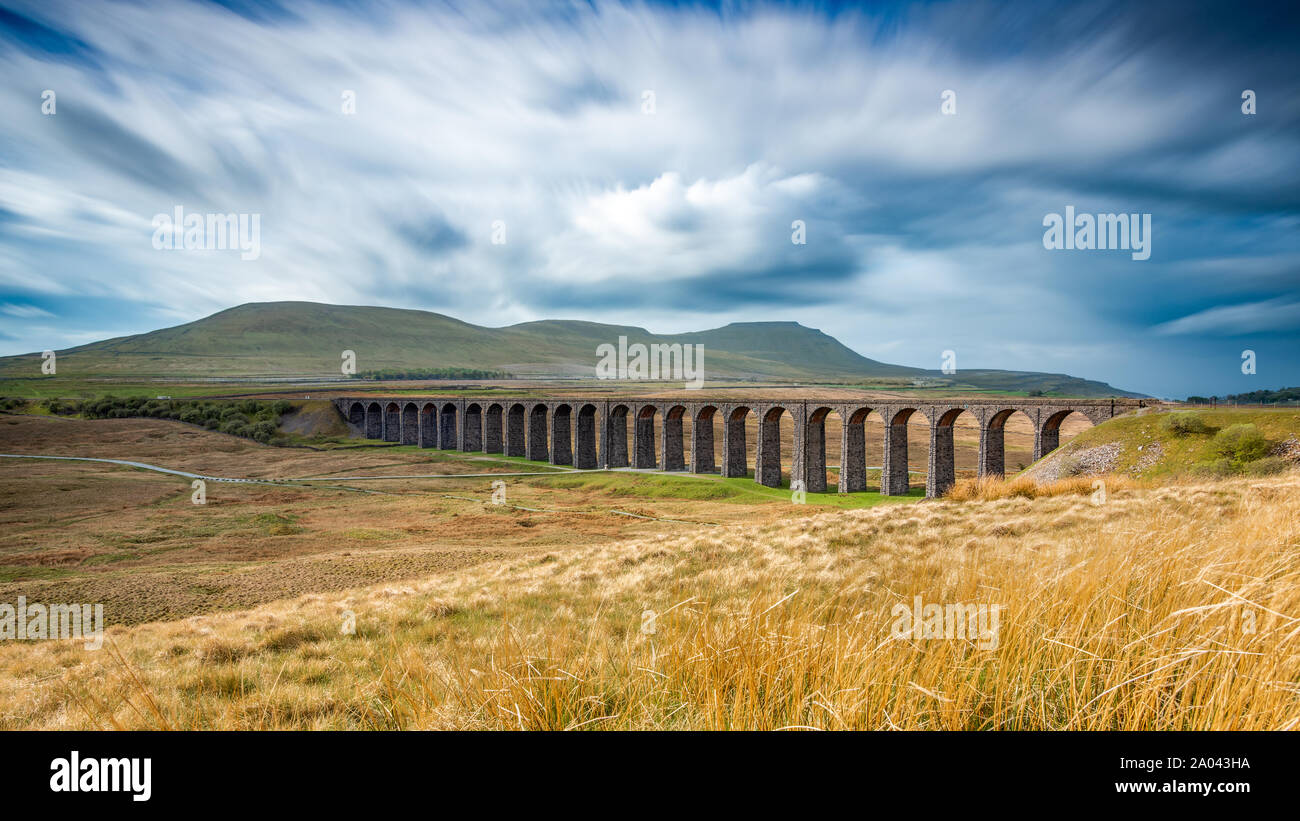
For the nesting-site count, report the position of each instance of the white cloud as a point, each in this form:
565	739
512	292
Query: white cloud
670	229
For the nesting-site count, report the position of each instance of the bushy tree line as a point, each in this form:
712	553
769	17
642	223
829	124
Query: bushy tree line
1282	395
431	373
250	418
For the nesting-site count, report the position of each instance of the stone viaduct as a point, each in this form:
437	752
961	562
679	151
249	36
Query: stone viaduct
593	433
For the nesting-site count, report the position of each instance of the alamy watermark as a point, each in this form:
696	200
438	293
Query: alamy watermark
639	362
1100	232
978	622
179	231
77	774
948	362
32	622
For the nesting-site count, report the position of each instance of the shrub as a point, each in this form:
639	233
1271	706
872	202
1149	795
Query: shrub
1184	423
1241	443
61	407
1267	465
1072	465
1218	469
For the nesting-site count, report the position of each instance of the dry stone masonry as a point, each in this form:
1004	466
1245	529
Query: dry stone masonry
592	434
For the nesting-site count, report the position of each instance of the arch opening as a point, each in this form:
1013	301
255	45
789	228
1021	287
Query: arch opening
374	421
447	427
492	433
945	459
894	476
516	421
735	457
767	463
392	423
472	433
584	455
537	445
494	439
1067	423
853	451
410	431
674	450
644	456
616	455
703	436
428	426
562	435
823	422
993	441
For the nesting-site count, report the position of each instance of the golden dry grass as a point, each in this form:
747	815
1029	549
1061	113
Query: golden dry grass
1169	608
989	488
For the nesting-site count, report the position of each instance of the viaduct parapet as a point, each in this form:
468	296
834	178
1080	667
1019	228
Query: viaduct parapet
590	433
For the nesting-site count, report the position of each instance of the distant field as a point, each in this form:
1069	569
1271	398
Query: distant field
133	539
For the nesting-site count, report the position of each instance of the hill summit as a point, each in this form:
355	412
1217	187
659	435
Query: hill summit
307	339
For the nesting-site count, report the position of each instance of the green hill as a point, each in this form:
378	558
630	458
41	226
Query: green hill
305	339
1173	444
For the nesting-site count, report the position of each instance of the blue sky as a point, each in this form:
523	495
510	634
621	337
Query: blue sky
924	230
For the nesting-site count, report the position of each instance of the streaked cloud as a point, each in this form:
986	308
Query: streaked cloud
923	230
1238	320
23	311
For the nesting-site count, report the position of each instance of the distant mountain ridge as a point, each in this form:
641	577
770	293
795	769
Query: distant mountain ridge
308	339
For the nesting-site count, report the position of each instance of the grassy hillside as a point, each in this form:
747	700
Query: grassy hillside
304	339
1037	384
1180	444
791	341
